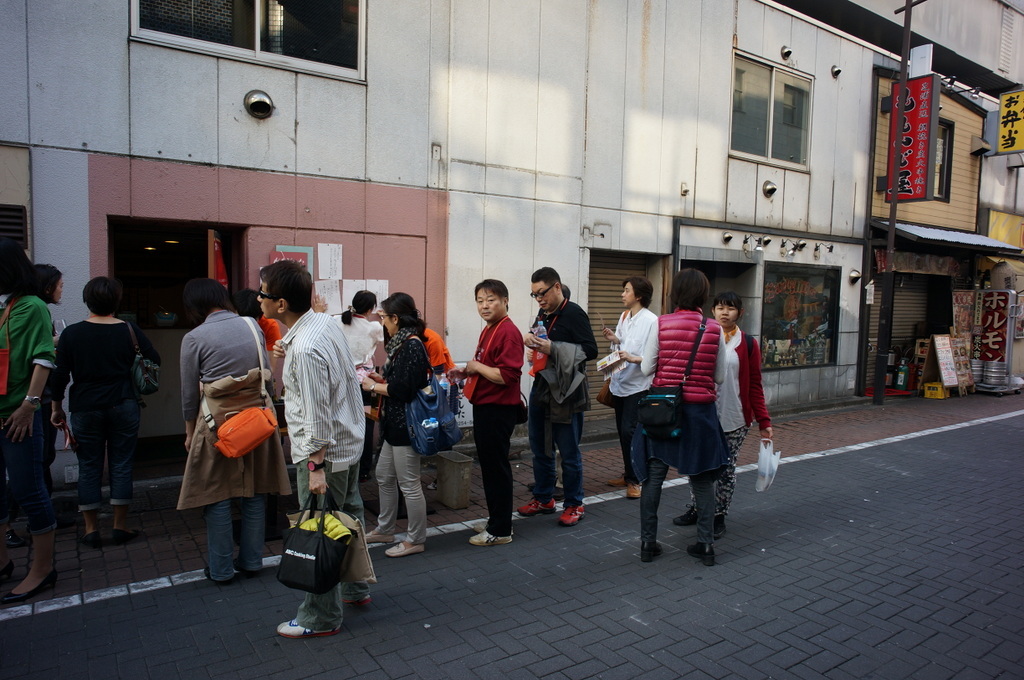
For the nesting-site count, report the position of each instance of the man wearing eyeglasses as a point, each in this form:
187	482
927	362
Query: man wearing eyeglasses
559	396
324	410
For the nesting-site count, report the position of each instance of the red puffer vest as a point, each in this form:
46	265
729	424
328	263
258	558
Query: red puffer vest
676	335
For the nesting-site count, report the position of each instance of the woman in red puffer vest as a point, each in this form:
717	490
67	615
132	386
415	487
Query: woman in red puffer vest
687	345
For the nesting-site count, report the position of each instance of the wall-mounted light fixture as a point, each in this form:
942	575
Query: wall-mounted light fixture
819	246
258	104
769	188
726	237
746	244
801	244
854	275
782	248
836	71
786	52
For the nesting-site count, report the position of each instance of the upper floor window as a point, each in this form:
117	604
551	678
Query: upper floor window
943	160
319	36
771	111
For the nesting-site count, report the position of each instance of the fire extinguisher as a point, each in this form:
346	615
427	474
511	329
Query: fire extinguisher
902	375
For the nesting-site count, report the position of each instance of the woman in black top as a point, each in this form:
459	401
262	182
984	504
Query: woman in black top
98	353
407	370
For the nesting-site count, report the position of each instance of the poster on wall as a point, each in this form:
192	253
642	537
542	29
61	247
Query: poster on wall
915	142
798	323
329	260
379	287
963	312
330	291
349	288
303	254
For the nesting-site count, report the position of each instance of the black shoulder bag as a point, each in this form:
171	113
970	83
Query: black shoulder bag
659	411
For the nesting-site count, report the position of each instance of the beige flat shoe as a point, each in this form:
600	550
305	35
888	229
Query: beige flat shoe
401	550
374	537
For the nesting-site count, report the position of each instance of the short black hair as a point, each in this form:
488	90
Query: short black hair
202	296
17	276
494	285
102	295
643	289
48	276
291	281
690	290
247	303
728	299
547	275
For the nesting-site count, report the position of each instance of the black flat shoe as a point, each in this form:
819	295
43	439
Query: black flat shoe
91	540
6	572
13	540
48	582
705	551
649	550
248	573
224	582
121	537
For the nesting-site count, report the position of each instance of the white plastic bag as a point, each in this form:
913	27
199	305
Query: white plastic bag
767	464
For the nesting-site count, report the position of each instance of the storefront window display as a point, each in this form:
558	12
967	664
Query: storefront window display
798	325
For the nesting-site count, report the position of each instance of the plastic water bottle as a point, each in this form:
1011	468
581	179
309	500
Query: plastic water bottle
540	331
442	381
429	424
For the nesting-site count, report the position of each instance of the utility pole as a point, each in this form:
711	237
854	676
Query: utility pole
889	276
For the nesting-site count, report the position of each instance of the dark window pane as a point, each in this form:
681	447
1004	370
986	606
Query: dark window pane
227	22
751	93
324	31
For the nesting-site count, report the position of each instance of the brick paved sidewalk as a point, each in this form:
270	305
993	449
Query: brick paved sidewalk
900	560
174	542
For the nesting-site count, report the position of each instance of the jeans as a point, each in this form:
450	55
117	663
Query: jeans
625	423
492	430
108	433
703	486
399	467
23	464
566	438
220	544
325	612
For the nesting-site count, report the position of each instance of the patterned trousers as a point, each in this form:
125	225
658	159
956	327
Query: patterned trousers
727	482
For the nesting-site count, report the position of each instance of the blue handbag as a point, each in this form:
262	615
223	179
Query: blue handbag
432	425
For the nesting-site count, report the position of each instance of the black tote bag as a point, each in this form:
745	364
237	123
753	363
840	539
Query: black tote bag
311	560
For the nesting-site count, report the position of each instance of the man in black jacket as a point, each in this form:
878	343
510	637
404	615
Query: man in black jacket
559	344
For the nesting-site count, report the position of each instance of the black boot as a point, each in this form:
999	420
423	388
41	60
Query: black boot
705	551
649	550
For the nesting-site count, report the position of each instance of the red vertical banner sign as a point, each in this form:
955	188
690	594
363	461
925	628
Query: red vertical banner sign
219	268
915	143
993	314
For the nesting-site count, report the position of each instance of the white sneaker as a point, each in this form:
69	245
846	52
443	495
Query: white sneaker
486	538
291	629
480	527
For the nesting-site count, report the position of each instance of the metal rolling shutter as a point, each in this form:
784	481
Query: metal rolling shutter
910	306
607	270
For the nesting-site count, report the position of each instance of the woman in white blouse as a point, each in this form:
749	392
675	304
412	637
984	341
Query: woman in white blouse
364	338
628	384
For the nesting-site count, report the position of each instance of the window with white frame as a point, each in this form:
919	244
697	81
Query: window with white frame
311	35
771	111
943	160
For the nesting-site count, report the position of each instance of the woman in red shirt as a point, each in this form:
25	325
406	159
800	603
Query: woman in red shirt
492	387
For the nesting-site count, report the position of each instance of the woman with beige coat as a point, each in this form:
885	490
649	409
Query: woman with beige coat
223	363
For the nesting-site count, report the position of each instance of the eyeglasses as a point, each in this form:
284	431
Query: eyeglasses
540	294
267	296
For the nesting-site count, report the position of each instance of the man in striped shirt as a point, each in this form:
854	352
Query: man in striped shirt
324	411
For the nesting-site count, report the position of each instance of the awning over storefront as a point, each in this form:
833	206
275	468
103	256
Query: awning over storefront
946	237
1016	265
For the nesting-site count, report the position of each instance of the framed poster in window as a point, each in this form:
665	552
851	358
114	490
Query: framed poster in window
800	316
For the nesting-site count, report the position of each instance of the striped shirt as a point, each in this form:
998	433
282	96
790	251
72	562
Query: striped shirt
322	403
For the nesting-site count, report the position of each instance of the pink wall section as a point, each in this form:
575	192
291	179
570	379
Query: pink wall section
388	232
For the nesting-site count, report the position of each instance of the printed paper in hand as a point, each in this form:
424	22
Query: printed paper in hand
329	260
331	292
611	364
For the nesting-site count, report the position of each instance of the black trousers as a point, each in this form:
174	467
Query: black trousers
492	430
625	423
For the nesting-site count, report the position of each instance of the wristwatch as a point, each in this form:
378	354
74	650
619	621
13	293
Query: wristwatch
313	467
35	401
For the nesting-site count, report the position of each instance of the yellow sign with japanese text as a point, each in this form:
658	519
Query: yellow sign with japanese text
1011	122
